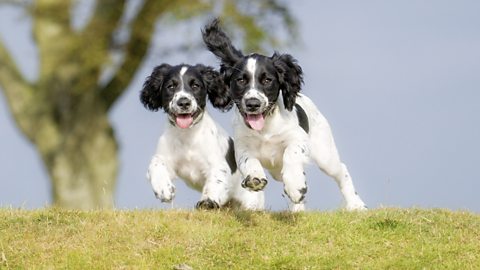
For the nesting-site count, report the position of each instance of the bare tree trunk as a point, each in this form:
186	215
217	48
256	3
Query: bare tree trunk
83	176
83	165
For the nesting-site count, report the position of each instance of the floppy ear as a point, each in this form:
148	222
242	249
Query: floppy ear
290	76
151	95
217	91
220	44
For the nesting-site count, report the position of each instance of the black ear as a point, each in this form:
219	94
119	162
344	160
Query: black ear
290	76
220	44
151	95
217	90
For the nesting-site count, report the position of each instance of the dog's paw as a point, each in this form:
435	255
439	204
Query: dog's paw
297	207
207	204
296	195
166	193
355	204
254	183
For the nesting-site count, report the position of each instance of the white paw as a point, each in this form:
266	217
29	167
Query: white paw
296	194
355	204
165	193
297	207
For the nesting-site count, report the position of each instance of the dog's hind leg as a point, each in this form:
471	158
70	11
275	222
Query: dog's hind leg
325	154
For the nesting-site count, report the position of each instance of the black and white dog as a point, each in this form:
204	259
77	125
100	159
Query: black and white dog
193	147
275	126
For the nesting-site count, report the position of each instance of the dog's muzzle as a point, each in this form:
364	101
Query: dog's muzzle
184	104
252	105
183	112
253	113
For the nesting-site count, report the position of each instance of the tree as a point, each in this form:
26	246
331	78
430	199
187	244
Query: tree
64	113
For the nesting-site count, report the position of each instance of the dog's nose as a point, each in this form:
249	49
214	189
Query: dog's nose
184	103
252	104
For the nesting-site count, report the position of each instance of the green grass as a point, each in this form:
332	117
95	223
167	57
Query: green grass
376	239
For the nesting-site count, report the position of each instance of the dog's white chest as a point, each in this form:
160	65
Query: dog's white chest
191	167
268	150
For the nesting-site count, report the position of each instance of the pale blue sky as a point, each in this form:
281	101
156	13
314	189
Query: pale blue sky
399	82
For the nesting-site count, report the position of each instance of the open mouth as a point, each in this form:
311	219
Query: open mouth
184	120
255	121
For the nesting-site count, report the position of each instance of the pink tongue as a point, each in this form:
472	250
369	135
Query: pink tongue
256	121
184	120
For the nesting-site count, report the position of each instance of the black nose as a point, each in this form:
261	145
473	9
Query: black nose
184	103
252	104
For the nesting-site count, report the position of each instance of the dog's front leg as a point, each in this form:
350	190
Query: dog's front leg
159	176
293	175
216	190
251	169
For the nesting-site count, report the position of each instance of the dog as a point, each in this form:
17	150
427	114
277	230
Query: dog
275	126
193	147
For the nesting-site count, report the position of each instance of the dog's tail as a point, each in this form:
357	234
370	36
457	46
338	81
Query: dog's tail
220	44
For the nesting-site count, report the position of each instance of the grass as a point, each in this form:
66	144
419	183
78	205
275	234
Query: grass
150	239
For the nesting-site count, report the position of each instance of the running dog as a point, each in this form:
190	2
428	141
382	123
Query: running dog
275	126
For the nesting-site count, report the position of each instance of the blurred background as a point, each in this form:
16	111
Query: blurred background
399	82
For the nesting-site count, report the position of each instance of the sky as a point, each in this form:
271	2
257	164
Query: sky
399	82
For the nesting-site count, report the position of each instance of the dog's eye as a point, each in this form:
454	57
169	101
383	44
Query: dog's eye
170	86
195	86
266	81
241	81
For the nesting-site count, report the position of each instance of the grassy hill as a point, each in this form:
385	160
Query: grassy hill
376	239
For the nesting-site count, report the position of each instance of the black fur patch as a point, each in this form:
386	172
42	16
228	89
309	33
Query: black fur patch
302	118
303	191
230	156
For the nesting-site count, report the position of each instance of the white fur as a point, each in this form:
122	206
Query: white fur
251	68
283	148
183	70
197	155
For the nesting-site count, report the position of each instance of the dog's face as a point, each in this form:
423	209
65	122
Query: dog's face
255	81
254	87
181	91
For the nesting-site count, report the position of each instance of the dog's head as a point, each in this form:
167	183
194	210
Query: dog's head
255	81
181	91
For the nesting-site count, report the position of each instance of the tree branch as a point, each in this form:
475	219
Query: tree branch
97	37
17	3
88	50
135	49
105	18
24	101
53	34
16	89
